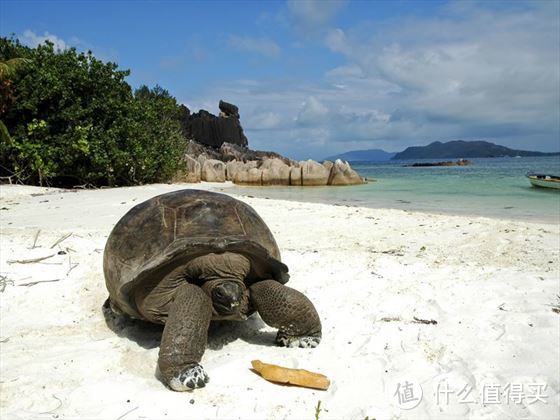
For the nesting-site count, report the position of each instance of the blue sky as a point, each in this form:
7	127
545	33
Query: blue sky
314	78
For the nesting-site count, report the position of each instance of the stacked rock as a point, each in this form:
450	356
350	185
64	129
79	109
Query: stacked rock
272	171
211	130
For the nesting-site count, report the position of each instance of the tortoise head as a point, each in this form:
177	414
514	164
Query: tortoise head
227	295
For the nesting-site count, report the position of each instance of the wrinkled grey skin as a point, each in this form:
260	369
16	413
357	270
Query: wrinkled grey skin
187	309
185	292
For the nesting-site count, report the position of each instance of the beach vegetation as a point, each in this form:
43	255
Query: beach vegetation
71	119
8	69
318	410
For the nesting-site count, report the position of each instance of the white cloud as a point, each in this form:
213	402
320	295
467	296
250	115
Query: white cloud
263	46
469	73
336	41
263	121
476	74
32	39
313	14
312	112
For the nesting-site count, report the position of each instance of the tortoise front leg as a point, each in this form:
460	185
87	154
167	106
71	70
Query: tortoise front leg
288	310
184	339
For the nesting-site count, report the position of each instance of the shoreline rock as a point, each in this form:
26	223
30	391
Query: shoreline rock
213	171
313	173
342	174
270	172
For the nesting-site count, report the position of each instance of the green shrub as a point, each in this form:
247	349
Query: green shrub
73	119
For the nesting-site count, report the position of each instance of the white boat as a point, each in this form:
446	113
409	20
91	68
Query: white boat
545	181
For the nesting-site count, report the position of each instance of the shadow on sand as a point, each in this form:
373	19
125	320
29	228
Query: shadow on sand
148	335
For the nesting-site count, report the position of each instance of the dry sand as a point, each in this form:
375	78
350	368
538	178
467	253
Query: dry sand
377	277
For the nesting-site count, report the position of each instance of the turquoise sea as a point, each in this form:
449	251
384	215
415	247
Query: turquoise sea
492	187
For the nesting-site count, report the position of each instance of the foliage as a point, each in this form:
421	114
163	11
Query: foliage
8	68
74	120
4	134
159	123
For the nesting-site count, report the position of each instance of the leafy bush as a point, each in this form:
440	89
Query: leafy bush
73	119
158	124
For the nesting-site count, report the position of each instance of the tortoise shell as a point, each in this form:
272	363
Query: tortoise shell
168	230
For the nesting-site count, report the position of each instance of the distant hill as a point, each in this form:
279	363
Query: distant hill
371	155
463	149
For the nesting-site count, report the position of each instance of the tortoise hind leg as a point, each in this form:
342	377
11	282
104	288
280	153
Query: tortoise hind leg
184	339
288	310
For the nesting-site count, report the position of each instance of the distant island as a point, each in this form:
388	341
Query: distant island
437	150
370	155
463	149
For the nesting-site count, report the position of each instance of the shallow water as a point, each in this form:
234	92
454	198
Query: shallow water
491	187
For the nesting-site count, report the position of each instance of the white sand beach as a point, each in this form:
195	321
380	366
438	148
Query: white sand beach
463	307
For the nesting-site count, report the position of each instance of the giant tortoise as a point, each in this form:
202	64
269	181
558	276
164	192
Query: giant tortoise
186	258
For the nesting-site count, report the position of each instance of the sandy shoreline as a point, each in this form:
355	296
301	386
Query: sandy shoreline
373	274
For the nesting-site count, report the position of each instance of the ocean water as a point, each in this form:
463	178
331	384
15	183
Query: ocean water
491	187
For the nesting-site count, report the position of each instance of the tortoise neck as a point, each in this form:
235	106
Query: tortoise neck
212	266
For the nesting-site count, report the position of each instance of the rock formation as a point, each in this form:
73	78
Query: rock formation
252	176
210	130
295	176
228	110
306	173
313	173
275	172
213	171
228	152
328	164
342	174
193	169
234	167
217	151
